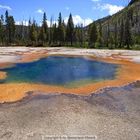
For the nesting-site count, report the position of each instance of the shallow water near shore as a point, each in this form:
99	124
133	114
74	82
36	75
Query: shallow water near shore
63	71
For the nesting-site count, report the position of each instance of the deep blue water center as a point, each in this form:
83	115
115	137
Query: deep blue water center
59	70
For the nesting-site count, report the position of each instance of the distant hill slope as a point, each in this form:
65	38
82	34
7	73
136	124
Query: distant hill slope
133	1
113	23
133	9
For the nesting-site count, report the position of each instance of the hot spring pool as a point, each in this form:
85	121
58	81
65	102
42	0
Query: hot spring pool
59	70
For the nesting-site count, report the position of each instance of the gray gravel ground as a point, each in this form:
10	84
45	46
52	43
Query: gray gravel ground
113	114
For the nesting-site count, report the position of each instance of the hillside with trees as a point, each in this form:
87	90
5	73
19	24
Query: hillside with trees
120	31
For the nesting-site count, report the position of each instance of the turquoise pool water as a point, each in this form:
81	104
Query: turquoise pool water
59	70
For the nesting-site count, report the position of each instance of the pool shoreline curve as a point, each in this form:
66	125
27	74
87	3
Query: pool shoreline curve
128	73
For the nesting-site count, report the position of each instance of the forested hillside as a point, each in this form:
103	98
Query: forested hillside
119	31
122	30
133	1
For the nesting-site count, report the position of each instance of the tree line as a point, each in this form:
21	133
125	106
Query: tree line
64	34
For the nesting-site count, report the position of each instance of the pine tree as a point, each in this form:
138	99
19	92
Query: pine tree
92	35
121	34
33	34
6	16
127	34
45	29
51	31
54	29
2	35
60	32
115	35
10	28
64	30
41	37
79	35
23	36
70	30
100	36
7	28
108	35
29	33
